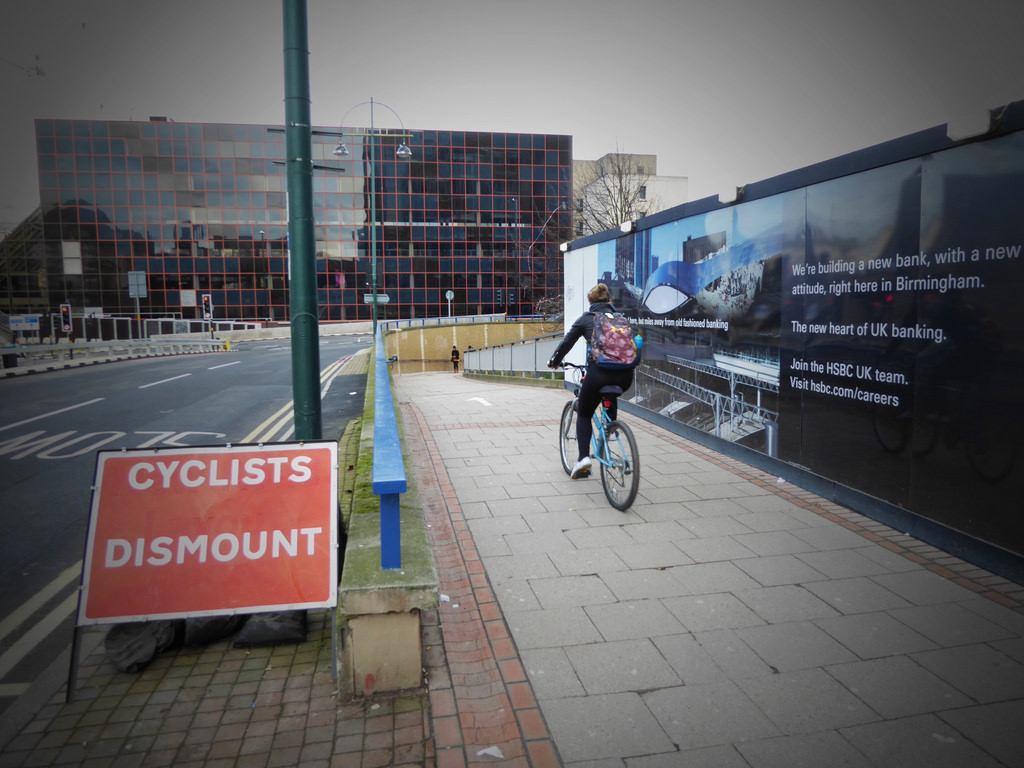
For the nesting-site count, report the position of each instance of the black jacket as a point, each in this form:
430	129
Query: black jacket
584	326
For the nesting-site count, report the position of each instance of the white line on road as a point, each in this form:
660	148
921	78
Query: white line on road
223	365
39	599
37	634
50	413
164	381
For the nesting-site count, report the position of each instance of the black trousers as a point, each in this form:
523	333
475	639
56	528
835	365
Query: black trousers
590	396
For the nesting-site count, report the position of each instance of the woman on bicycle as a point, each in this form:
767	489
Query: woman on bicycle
590	389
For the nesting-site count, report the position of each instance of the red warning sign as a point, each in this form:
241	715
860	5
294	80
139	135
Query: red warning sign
211	531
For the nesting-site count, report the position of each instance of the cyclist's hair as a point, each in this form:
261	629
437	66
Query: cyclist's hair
599	293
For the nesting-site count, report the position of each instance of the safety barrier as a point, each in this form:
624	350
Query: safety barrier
65	353
514	358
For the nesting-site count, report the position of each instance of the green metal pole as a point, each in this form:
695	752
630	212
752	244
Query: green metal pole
302	289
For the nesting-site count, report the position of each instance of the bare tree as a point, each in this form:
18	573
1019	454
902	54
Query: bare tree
612	190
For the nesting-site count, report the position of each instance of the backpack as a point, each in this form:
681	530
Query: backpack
611	343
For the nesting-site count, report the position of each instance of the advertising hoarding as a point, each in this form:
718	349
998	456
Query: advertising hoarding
868	329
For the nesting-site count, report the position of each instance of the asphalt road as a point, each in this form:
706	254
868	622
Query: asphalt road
53	424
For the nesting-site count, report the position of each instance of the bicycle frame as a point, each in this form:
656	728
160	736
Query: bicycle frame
613	446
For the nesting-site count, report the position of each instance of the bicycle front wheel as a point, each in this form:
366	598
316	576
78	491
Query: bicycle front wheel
620	469
567	436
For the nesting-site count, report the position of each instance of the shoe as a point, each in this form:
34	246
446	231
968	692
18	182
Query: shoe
582	468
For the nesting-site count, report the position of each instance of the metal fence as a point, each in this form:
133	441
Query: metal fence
514	357
63	352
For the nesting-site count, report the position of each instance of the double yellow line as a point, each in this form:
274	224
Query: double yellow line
280	425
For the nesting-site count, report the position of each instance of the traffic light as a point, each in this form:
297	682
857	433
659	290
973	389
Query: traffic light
498	297
207	307
65	317
511	296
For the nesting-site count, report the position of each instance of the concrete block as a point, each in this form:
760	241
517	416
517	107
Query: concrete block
379	653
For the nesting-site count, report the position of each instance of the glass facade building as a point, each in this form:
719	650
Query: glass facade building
202	209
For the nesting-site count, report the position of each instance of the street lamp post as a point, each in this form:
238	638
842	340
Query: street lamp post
403	152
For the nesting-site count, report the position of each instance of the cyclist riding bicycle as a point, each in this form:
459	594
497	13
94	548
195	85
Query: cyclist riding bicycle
596	377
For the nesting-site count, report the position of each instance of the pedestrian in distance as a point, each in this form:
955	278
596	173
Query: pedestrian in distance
455	358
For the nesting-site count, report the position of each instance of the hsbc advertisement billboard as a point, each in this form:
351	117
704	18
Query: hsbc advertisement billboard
211	531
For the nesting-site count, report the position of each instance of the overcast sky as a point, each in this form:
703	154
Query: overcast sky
724	92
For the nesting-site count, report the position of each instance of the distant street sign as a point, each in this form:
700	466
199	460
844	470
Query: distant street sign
137	285
24	322
382	298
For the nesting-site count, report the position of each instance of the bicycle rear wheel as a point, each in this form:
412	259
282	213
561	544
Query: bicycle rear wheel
567	436
620	466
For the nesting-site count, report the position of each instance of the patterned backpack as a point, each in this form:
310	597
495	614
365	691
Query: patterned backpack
612	344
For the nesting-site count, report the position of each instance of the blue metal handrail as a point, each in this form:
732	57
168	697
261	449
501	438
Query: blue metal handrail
389	480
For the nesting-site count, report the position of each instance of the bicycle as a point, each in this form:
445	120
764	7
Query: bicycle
613	446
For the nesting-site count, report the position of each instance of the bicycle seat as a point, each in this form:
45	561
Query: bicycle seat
613	390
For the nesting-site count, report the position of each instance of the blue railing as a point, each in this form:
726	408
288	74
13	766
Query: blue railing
389	480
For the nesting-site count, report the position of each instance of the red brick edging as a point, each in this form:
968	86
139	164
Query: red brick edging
480	696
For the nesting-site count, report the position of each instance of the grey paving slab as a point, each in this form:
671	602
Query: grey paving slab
529	566
996	728
598	560
925	740
803	750
551	673
786	603
633	619
794	645
711	578
701	613
923	587
622	666
766	520
897	687
806	701
734	657
856	595
612	725
982	672
643	583
691	662
663	554
949	624
830	537
649	532
842	564
516	595
767	543
571	591
707	715
551	629
873	635
714	549
773	571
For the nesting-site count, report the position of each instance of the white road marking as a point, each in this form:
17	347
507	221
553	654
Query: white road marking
39	632
223	365
50	413
39	599
164	381
479	400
